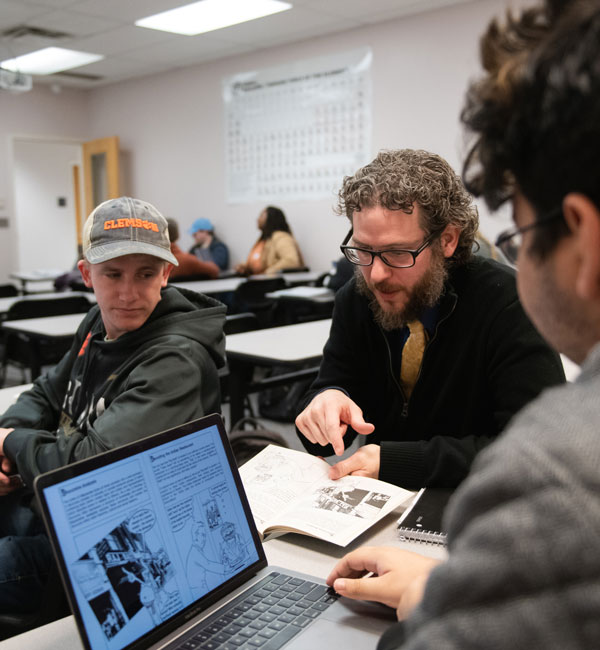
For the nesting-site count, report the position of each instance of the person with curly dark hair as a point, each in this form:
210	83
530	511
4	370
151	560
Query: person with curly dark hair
418	356
276	249
523	569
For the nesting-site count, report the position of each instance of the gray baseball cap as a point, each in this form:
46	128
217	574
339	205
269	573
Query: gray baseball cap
126	226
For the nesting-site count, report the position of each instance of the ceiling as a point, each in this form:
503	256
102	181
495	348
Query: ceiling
107	27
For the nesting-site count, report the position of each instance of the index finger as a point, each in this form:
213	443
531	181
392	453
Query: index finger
355	564
334	431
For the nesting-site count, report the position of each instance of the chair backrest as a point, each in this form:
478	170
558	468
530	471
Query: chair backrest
254	290
238	323
250	297
8	291
41	307
296	269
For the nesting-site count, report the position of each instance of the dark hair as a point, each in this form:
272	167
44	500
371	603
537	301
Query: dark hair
173	229
398	178
536	115
275	221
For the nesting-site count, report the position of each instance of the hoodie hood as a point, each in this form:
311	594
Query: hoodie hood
180	312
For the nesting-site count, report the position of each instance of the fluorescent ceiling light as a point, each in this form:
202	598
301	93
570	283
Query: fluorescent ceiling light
49	60
208	15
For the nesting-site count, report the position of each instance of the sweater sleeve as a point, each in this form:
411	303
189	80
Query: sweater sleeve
523	571
220	255
161	391
341	369
519	365
284	253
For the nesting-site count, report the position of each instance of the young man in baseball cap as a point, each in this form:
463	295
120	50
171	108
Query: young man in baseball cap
144	359
208	247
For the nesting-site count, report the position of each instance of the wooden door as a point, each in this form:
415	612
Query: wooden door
100	171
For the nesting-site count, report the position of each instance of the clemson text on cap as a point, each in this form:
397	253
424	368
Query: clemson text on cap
110	224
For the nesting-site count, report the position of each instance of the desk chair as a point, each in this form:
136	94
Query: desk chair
296	269
20	350
8	291
236	324
250	297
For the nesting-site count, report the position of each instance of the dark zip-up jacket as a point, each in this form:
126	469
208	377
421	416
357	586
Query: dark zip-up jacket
482	364
104	394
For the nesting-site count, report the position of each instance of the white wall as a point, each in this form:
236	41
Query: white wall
171	125
39	113
46	231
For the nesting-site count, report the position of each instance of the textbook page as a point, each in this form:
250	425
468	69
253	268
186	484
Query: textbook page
290	491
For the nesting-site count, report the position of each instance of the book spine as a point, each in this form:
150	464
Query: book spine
422	536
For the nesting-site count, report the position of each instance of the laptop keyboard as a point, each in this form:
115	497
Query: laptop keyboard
266	616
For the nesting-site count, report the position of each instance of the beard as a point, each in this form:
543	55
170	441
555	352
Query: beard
423	295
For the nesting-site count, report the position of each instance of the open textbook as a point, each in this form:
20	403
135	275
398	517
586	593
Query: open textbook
290	491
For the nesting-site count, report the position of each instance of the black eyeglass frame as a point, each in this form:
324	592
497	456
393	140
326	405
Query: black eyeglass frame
380	254
503	240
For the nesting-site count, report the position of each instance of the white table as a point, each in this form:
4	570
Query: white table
208	287
7	303
47	327
296	552
38	275
293	345
57	330
9	395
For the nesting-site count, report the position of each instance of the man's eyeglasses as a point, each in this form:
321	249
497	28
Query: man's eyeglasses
396	258
510	241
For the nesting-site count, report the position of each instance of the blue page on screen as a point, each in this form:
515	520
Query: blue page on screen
146	536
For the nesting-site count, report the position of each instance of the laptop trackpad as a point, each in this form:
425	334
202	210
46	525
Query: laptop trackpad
326	634
346	624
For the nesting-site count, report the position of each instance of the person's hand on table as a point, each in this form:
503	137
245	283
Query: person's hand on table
327	418
364	462
398	577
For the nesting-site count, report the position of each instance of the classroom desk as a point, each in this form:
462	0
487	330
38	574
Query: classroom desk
296	552
290	345
209	287
7	303
57	329
39	275
303	303
9	395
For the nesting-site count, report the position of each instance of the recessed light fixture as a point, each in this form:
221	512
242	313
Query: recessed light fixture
49	60
208	15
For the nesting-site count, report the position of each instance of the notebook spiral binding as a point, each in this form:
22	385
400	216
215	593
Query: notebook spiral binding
422	536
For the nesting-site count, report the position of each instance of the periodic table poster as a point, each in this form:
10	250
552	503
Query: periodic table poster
292	132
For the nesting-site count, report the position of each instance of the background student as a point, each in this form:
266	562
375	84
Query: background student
275	249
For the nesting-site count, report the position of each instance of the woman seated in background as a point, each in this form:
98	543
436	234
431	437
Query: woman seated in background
276	249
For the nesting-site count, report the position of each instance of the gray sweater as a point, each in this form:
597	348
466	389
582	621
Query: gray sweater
524	536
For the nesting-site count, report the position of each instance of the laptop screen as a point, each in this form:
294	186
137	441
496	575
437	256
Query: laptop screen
148	534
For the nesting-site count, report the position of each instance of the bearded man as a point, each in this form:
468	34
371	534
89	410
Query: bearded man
430	353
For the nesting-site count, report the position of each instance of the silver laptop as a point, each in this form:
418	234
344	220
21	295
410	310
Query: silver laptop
157	548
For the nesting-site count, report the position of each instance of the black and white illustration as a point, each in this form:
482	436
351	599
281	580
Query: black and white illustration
210	543
128	572
350	500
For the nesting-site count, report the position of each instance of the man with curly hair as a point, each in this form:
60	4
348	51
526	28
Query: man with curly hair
523	569
412	230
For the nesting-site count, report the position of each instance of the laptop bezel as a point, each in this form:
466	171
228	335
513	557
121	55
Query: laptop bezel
78	468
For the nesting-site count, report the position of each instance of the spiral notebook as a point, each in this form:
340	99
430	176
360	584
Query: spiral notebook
422	522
